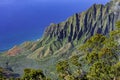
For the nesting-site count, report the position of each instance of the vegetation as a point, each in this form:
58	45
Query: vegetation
31	74
100	57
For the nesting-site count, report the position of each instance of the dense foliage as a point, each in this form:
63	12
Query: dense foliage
31	74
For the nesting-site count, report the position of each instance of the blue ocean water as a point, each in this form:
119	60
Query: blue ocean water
26	20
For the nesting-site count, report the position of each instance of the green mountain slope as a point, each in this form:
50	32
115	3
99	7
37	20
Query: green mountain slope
65	36
61	40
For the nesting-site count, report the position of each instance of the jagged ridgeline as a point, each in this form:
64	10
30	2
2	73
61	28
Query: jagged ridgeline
61	40
65	36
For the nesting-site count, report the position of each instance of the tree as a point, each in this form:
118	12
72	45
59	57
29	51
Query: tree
75	60
102	53
116	71
100	70
31	74
92	47
62	68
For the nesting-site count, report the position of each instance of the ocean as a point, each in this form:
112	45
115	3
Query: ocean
26	20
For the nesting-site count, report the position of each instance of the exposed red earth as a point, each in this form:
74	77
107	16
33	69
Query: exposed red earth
14	51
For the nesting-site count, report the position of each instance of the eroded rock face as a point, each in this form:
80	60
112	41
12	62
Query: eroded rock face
75	31
14	51
97	19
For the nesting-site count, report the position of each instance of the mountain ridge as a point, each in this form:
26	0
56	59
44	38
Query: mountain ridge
75	30
63	39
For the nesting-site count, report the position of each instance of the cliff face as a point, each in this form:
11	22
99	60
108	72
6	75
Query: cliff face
97	19
65	37
62	37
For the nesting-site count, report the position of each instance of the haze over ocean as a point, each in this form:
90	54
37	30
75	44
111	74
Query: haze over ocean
26	20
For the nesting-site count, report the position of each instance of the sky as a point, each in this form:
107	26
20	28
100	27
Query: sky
26	20
49	1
